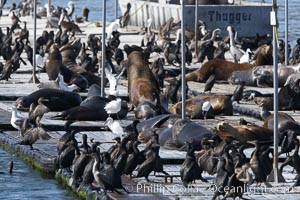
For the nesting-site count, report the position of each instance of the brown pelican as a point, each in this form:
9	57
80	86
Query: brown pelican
125	18
149	37
68	24
236	52
71	8
51	18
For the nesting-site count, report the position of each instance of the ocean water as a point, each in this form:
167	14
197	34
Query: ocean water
25	183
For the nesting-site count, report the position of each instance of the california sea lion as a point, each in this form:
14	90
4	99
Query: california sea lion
187	130
223	69
54	66
287	101
69	53
193	109
92	109
243	133
148	109
145	127
262	76
58	100
53	63
142	84
221	105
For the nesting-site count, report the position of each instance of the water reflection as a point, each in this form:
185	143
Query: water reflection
25	183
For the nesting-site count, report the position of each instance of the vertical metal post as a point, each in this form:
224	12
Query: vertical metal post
196	28
103	46
183	81
34	78
116	9
286	33
275	82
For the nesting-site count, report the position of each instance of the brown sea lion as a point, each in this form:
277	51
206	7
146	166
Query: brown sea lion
223	69
262	76
69	53
287	101
285	122
243	133
91	109
148	109
221	105
58	100
187	130
145	127
142	84
54	65
193	109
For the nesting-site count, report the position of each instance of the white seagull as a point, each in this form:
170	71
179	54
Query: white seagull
114	126
112	27
205	108
246	58
17	119
113	81
63	86
113	107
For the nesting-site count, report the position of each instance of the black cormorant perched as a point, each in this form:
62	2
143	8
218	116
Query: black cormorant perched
108	177
152	163
190	170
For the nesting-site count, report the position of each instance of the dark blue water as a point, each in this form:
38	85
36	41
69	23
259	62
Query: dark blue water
293	19
25	183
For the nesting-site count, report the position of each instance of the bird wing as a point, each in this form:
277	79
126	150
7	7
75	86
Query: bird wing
19	122
40	110
109	105
31	135
118	128
43	134
110	177
111	78
145	167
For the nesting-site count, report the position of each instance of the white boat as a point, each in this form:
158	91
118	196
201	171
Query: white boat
247	18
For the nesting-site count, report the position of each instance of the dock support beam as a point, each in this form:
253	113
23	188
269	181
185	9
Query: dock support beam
103	47
275	83
286	32
183	80
196	29
34	79
116	9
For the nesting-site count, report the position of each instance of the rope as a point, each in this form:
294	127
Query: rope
138	9
97	24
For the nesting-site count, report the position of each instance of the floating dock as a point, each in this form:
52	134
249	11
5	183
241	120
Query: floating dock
44	156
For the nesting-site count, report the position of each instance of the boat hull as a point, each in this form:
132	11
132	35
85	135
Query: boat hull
247	19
